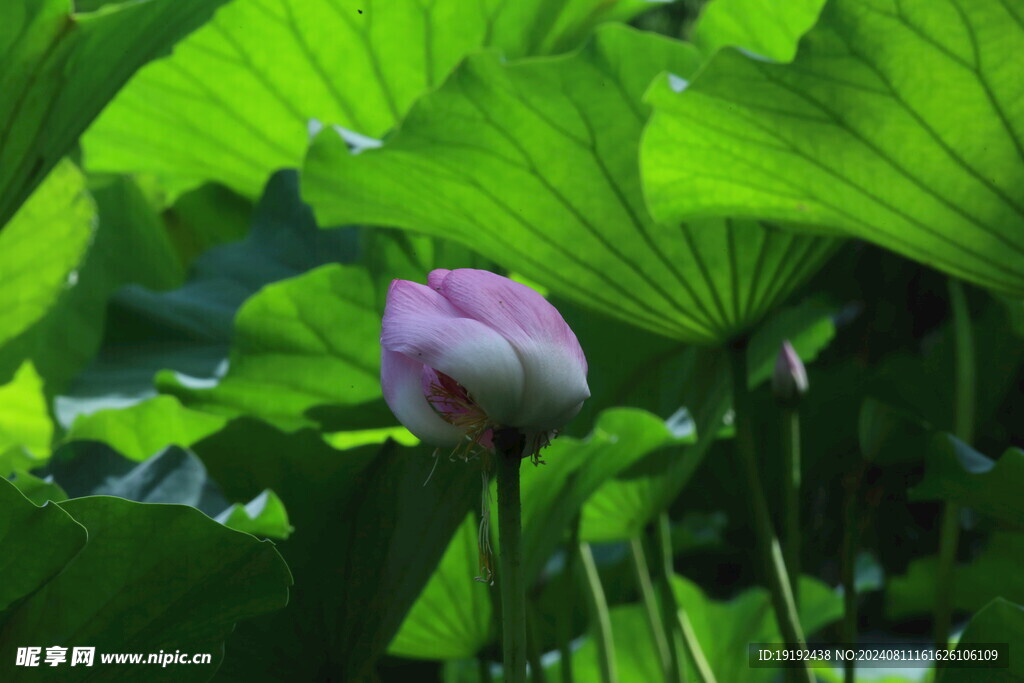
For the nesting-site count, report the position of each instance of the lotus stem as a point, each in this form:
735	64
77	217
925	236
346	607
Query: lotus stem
963	429
675	617
509	448
791	495
602	620
565	620
768	543
654	621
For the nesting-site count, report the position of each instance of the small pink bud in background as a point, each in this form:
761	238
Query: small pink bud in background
789	381
475	351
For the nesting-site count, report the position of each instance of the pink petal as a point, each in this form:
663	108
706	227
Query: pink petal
400	380
554	365
436	277
421	324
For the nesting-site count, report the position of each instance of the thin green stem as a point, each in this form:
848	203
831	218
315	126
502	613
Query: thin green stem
791	495
963	429
643	582
599	612
963	417
510	578
768	543
676	620
851	539
565	620
534	651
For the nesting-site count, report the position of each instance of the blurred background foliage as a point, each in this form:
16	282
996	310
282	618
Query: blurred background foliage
203	203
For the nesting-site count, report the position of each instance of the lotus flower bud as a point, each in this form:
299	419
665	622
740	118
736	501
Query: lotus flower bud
789	381
473	352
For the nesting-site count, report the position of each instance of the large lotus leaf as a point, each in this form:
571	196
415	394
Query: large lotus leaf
58	72
41	247
763	27
151	577
226	108
29	560
534	166
899	123
371	525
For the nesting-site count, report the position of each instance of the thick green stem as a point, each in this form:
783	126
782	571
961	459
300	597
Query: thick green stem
643	582
599	612
484	670
768	543
675	618
565	620
851	534
963	429
510	578
791	495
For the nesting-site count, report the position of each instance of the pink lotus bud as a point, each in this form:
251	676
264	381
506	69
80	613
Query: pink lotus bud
473	352
789	382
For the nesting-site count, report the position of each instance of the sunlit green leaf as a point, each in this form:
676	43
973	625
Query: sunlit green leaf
862	133
65	340
534	166
142	430
41	247
264	515
59	70
226	108
766	28
25	425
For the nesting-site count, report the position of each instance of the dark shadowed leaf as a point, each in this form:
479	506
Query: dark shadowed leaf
957	473
30	563
366	528
150	578
1000	621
